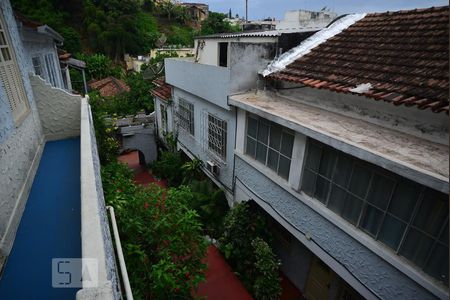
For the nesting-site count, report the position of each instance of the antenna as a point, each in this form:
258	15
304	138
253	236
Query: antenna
246	10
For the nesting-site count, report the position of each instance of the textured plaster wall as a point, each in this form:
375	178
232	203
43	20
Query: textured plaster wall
36	44
246	59
106	233
58	109
379	276
194	143
19	145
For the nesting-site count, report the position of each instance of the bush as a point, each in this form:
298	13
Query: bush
169	167
162	237
243	225
266	285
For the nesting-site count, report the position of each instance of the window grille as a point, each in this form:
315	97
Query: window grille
11	78
185	114
407	217
50	64
270	144
37	64
216	137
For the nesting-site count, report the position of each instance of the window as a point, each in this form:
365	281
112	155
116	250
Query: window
163	110
407	217
11	78
50	64
270	144
37	64
223	54
217	136
186	115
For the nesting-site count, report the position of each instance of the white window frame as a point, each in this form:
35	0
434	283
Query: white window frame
37	65
217	136
51	72
366	204
163	113
11	77
185	114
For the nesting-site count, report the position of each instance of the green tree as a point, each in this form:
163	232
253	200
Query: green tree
215	23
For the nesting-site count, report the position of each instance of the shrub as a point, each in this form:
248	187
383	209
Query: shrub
266	285
243	225
162	237
169	167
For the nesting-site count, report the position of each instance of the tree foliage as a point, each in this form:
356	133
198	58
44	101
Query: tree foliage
215	23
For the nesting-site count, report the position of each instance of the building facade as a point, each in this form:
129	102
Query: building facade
342	141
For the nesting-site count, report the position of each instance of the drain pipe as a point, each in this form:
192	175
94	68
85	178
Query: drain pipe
123	267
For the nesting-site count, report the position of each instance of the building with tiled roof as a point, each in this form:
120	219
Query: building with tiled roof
341	140
162	93
399	57
109	86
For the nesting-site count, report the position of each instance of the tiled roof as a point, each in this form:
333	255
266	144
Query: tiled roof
403	55
109	86
162	89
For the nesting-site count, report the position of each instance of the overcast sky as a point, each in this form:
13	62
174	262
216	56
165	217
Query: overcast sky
259	9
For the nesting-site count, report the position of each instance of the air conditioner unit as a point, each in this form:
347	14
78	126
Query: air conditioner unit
212	167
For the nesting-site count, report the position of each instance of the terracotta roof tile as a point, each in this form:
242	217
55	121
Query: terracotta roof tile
403	55
162	89
109	86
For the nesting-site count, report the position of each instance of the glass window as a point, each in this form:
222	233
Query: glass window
37	65
186	115
270	144
217	136
408	217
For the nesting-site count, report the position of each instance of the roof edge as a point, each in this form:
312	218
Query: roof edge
310	43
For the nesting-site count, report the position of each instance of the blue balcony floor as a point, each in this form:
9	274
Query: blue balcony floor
50	226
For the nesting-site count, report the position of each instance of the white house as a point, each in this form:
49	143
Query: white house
342	140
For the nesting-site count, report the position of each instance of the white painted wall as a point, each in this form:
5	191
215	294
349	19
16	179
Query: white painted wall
209	54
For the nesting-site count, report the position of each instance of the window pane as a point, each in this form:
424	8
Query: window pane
322	187
360	180
380	191
352	209
2	38
6	55
284	167
263	132
416	247
444	235
308	182
251	147
252	126
272	160
343	170
391	232
372	219
275	136
287	143
261	153
438	264
327	162
313	158
432	212
404	199
337	199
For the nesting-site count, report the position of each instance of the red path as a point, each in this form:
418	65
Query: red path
221	283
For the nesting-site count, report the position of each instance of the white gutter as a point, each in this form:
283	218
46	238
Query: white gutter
123	267
310	43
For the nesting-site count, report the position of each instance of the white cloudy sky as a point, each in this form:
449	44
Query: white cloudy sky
259	9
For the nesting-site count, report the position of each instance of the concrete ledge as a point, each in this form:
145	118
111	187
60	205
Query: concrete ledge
93	244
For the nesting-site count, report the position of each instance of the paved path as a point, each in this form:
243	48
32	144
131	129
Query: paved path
50	226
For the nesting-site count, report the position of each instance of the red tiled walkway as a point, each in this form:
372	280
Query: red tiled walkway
221	283
141	174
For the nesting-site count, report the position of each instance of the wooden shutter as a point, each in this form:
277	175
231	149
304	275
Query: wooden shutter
11	78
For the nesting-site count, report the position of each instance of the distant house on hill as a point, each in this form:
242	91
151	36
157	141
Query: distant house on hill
109	86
